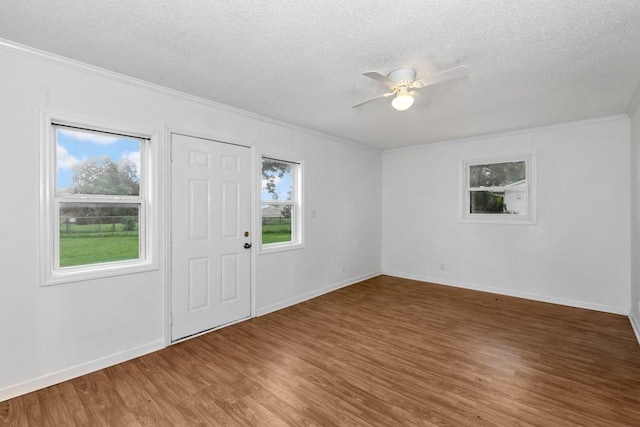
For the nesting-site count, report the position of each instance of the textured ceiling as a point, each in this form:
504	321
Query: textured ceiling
532	63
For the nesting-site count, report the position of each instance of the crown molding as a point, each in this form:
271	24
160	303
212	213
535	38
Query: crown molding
517	132
52	58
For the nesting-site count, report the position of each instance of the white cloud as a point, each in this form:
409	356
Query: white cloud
96	138
133	157
64	159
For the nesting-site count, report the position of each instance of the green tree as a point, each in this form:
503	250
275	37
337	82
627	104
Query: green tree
496	174
487	202
101	175
271	171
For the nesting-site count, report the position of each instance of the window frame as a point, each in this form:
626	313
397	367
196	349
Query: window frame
51	272
499	218
297	217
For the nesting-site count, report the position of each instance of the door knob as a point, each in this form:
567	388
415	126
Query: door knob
247	245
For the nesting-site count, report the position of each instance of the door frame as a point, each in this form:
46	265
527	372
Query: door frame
169	132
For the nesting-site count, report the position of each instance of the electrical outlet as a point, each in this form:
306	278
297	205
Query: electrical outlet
441	267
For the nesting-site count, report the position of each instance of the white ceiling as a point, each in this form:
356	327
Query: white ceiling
532	62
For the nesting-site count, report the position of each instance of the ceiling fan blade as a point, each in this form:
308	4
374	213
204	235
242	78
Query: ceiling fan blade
384	95
380	78
453	73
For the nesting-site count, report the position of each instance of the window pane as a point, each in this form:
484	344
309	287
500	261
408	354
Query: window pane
89	162
92	233
515	201
276	223
510	201
277	180
486	202
497	174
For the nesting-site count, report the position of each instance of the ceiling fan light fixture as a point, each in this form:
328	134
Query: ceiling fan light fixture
402	102
402	83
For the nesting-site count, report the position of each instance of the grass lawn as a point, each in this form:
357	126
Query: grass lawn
276	233
83	250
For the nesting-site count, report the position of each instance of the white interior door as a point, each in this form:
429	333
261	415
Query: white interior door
210	271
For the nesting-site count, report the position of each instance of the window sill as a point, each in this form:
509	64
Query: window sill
93	273
502	219
276	248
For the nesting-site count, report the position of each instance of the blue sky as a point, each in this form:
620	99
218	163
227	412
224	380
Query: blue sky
74	146
283	185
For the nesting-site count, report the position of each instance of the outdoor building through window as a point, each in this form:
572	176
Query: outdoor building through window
499	189
97	205
280	203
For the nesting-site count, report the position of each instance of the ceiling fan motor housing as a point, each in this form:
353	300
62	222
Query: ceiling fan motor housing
403	76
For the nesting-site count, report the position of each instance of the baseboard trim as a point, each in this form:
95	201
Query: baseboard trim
78	370
310	295
635	325
511	293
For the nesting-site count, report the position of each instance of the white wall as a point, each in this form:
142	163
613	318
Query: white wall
52	333
635	221
343	239
577	253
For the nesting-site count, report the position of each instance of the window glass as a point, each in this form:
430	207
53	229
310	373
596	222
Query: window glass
96	163
486	202
279	202
92	233
97	205
277	180
496	174
276	224
499	189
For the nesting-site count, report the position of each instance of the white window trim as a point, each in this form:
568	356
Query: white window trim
50	274
530	192
298	197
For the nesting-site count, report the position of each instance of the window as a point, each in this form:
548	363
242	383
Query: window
96	217
499	190
281	212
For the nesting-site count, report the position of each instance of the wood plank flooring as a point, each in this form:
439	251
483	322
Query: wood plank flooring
383	352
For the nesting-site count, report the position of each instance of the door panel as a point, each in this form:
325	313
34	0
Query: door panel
230	276
230	207
198	283
199	214
210	272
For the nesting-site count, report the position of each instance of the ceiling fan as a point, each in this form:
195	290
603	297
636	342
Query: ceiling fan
402	81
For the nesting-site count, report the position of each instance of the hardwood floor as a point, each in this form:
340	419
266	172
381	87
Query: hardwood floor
383	352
